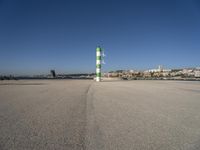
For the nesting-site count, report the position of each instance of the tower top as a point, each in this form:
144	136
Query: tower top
98	49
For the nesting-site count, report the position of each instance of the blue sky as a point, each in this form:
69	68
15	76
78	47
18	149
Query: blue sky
39	35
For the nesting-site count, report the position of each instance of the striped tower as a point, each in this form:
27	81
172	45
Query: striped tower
98	64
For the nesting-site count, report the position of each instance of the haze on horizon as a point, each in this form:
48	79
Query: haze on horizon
36	36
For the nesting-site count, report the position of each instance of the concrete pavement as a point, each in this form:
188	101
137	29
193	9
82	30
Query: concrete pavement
78	114
43	115
144	115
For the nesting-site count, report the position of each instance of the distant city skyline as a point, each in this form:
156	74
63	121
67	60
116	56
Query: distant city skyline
37	36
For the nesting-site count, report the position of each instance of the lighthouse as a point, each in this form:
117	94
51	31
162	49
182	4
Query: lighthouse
98	63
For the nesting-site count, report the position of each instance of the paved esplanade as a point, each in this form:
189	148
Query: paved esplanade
120	115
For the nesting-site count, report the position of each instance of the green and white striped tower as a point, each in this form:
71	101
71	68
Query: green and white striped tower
98	63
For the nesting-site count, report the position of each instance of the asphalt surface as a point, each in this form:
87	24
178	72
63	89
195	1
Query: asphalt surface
85	115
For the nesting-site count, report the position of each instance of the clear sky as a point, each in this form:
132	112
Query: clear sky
39	35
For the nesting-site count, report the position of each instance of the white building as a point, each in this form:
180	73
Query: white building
159	69
197	73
